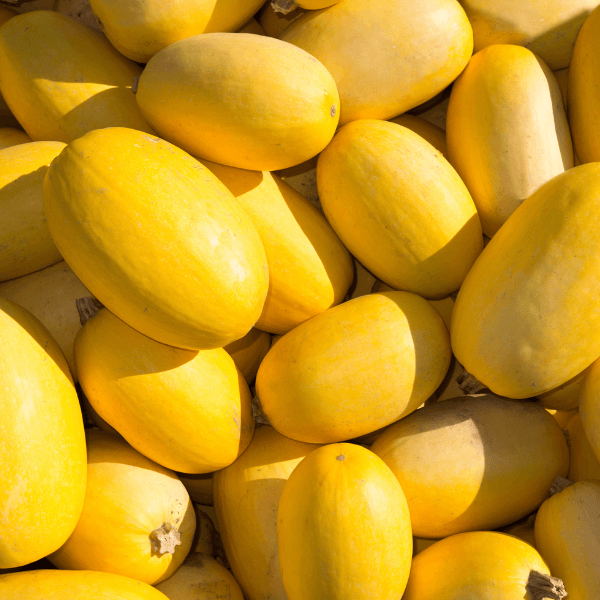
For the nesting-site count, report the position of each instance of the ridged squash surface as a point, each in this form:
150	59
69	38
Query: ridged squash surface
343	528
506	129
354	368
399	207
42	443
527	316
62	79
419	49
261	104
157	238
186	410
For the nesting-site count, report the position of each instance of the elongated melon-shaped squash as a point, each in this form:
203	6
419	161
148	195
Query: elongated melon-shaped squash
565	396
11	136
567	535
589	407
546	27
139	29
420	48
584	91
507	130
137	519
583	463
62	79
431	133
399	207
509	454
261	104
246	496
343	528
354	368
50	295
527	317
25	242
186	410
42	444
310	270
75	585
478	565
248	352
157	238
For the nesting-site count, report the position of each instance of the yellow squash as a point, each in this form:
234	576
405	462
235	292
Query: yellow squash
546	27
25	242
42	442
507	130
199	487
261	104
11	136
526	318
275	23
479	565
74	585
157	238
589	407
137	519
567	535
186	410
584	90
252	26
248	352
139	29
246	496
565	396
62	79
583	463
309	268
562	417
473	463
343	528
431	133
354	368
524	530
399	207
418	50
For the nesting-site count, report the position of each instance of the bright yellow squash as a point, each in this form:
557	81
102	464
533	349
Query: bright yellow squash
399	207
526	318
506	129
589	407
42	442
137	519
157	238
186	410
11	136
567	535
583	463
261	104
584	90
246	496
309	268
431	133
24	236
248	352
473	463
479	565
418	50
62	79
74	585
354	368
139	29
565	396
343	528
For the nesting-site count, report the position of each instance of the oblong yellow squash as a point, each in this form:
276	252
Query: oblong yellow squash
50	295
506	129
42	441
589	407
548	28
137	519
24	236
11	136
188	411
252	26
509	454
524	321
584	90
565	396
343	528
583	463
62	79
246	496
157	238
419	49
478	565
431	133
139	29
399	207
317	383
567	535
76	585
310	270
248	352
261	104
